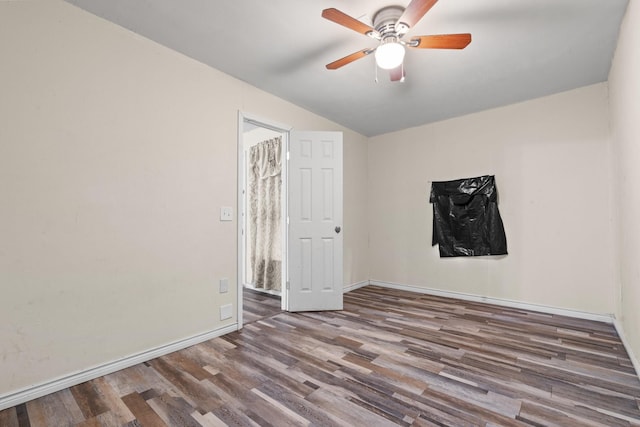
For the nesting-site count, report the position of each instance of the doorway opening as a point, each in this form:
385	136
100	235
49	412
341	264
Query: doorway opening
262	232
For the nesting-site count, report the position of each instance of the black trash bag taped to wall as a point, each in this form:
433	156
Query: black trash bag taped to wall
466	221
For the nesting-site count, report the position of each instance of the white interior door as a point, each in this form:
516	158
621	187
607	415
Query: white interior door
315	221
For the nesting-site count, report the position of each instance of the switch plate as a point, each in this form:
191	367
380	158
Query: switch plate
226	213
224	285
226	311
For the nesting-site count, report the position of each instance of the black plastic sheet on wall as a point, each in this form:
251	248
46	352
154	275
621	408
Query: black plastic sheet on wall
466	220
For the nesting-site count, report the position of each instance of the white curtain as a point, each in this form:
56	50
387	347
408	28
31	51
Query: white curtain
265	182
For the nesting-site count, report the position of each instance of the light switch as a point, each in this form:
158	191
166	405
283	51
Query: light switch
224	285
226	213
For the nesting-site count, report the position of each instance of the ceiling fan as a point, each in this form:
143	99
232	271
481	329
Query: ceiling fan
390	25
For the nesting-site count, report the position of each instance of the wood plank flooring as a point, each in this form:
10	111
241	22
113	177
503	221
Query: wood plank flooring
259	305
390	358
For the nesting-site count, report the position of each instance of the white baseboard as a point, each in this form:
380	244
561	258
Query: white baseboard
625	343
33	392
606	318
354	286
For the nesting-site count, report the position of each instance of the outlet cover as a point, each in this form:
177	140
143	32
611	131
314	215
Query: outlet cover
226	213
224	285
226	311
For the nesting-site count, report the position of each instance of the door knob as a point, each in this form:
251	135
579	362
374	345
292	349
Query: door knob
338	229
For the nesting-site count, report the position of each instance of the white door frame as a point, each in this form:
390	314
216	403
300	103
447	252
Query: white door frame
243	118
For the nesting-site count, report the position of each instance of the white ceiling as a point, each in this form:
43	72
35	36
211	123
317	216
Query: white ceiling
521	49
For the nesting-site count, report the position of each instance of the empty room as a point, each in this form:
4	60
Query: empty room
253	213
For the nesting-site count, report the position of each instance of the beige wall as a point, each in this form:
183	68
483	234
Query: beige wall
116	155
550	157
624	87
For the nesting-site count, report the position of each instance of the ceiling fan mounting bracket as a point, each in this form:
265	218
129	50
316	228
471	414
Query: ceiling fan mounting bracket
373	35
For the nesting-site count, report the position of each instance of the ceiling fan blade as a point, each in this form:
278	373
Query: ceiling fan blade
349	59
414	12
345	20
442	41
397	74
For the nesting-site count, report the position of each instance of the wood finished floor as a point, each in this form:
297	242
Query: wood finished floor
390	358
259	305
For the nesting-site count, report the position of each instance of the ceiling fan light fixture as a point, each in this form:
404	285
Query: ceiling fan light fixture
389	54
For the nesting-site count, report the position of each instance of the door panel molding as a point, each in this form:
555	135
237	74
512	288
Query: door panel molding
315	221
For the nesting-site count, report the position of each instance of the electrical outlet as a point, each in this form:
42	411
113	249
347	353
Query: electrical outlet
226	213
224	285
226	311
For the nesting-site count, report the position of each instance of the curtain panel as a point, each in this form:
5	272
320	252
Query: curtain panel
265	183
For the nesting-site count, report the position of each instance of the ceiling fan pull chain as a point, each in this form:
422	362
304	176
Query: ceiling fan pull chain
375	66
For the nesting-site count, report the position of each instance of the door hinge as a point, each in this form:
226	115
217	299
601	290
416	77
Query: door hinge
288	285
288	155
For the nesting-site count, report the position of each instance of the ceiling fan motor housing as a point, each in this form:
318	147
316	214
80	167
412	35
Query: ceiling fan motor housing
385	21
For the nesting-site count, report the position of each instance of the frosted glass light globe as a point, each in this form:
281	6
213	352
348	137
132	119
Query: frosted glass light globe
389	55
